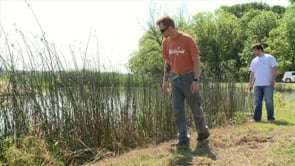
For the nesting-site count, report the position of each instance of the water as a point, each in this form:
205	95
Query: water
288	96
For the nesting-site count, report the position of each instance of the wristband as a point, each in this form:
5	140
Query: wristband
196	79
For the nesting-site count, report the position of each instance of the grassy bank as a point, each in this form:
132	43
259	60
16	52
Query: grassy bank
251	143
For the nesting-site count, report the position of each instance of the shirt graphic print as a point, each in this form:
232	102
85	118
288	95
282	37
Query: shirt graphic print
176	51
180	52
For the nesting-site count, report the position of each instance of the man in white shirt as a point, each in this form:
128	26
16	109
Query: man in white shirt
264	68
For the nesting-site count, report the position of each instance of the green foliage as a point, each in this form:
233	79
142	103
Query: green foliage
204	29
279	100
260	26
282	41
278	9
240	10
148	60
29	150
216	35
239	118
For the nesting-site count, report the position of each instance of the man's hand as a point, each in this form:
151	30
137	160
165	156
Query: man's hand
195	87
250	88
274	75
165	86
251	82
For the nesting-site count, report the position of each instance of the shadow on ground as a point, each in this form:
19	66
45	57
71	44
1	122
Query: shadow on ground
279	122
282	123
184	155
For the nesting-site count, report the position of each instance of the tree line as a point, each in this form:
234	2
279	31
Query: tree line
225	37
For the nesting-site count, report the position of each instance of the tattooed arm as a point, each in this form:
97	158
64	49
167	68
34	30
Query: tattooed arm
167	69
195	87
197	66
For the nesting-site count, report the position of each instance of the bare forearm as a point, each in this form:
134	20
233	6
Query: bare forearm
275	73
197	67
167	70
251	81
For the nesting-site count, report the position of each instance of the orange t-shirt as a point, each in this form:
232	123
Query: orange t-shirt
180	52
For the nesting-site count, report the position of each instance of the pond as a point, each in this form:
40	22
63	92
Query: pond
289	95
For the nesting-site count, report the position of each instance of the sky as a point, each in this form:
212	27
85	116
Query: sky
107	30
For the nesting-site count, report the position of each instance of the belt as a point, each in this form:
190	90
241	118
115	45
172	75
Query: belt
175	75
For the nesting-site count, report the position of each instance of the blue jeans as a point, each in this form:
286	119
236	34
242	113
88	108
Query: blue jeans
267	93
181	90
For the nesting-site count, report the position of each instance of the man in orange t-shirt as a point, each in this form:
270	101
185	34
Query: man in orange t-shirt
182	64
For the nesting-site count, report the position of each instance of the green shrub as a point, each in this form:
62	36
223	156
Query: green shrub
29	150
239	118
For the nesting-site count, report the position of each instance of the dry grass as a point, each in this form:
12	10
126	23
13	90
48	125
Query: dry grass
264	143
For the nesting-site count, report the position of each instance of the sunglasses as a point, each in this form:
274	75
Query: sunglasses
163	30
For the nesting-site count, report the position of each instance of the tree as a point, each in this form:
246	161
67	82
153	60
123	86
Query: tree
278	9
148	60
281	42
204	32
229	44
291	32
240	9
216	35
